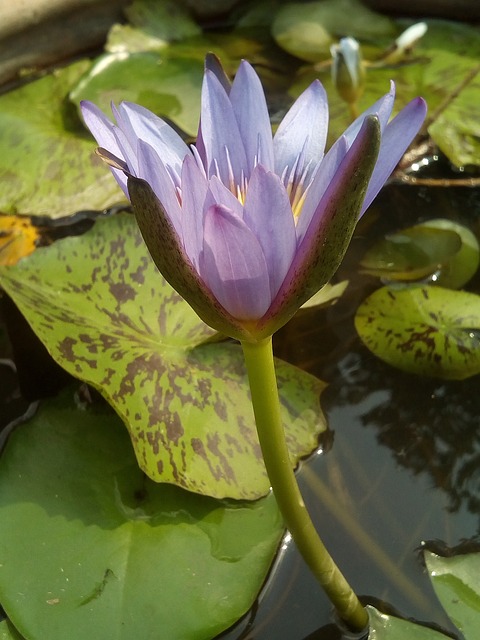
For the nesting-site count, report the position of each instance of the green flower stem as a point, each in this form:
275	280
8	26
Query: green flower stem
266	405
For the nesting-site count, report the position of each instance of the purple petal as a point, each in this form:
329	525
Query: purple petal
152	170
221	195
194	191
225	154
104	133
328	235
250	109
303	128
233	265
396	138
213	64
268	213
320	181
100	126
140	123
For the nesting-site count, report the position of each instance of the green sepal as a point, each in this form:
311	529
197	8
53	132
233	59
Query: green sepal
173	263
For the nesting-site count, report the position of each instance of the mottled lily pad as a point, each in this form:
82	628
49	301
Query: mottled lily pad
47	164
429	331
109	318
90	548
456	581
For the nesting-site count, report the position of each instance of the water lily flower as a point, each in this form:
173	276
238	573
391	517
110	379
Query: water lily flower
247	226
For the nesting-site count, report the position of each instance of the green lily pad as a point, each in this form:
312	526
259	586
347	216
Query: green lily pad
411	254
328	294
442	59
429	331
385	627
167	20
456	130
90	548
307	30
47	164
456	581
464	264
440	248
169	87
108	317
8	632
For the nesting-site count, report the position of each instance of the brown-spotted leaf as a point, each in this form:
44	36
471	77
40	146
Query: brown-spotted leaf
427	330
109	318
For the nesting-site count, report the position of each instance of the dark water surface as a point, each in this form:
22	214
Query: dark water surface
400	465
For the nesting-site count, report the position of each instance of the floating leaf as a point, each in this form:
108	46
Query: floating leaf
456	130
47	164
18	237
444	57
456	581
385	627
440	248
464	264
429	331
411	254
90	548
109	318
169	87
308	29
168	20
8	632
328	294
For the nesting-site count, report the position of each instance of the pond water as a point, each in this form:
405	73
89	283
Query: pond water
399	467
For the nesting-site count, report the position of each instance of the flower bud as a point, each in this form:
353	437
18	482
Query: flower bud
348	73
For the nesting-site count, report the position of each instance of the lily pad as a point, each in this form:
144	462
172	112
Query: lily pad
464	264
446	251
411	254
169	87
47	165
90	548
328	294
167	20
108	317
456	581
307	30
385	627
429	331
443	59
8	632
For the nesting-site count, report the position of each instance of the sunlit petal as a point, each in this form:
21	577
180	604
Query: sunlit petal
304	127
251	113
268	214
233	265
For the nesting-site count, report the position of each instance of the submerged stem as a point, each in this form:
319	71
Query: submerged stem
266	405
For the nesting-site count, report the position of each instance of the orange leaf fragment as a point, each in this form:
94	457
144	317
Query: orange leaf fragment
18	238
